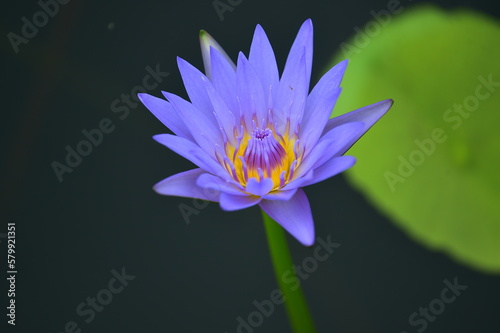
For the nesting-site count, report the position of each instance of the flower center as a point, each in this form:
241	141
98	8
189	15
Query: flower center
263	152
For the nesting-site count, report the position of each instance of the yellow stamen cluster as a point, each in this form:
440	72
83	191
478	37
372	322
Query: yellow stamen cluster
262	153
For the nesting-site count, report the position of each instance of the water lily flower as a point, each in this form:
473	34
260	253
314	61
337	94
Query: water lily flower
257	137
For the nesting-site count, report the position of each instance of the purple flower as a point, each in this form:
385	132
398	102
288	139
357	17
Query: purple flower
256	137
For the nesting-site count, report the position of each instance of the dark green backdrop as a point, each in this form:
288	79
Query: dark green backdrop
103	216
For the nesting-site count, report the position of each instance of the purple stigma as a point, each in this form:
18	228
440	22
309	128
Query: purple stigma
261	135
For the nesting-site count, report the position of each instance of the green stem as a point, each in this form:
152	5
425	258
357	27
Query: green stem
295	303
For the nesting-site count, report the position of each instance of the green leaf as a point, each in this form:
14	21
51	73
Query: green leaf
432	163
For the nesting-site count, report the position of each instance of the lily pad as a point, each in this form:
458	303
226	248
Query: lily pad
432	164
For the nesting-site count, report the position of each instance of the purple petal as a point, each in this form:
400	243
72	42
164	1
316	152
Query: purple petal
203	127
218	184
225	118
259	188
224	80
312	129
294	215
250	93
303	43
193	82
291	95
192	152
263	61
369	115
166	113
331	168
299	181
320	103
331	144
236	202
280	195
206	42
294	83
184	185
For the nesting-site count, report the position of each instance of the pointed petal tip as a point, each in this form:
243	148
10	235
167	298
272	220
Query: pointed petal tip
158	137
159	188
344	63
242	56
307	28
148	99
184	185
259	27
180	60
259	32
141	96
166	94
309	241
206	39
181	63
207	42
306	237
389	101
156	189
294	216
384	105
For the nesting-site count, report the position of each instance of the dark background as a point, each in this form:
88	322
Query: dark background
196	277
